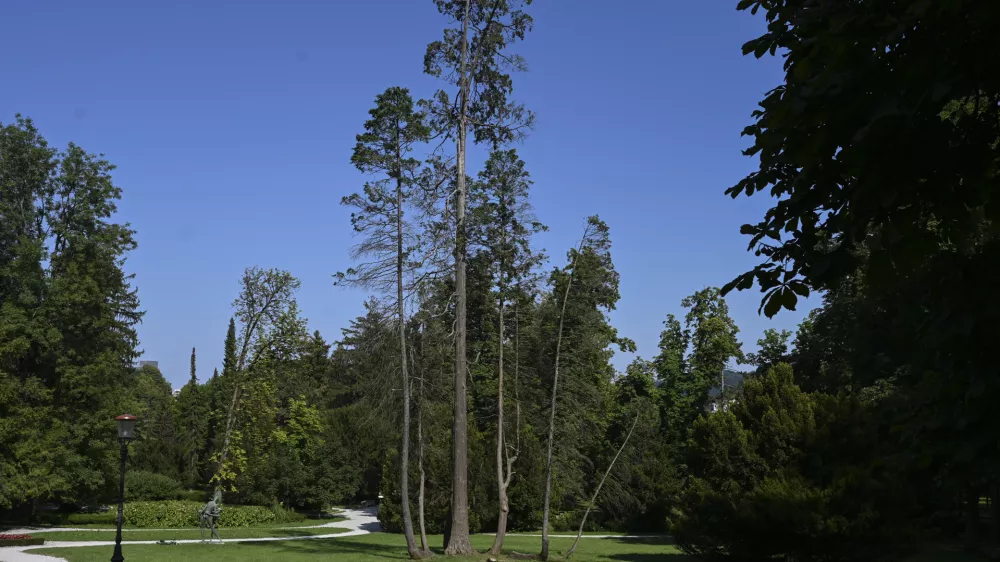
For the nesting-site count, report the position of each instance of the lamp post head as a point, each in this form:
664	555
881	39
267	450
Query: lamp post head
126	427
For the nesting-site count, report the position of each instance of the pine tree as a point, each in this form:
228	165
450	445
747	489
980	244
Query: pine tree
478	67
229	352
194	374
503	223
389	244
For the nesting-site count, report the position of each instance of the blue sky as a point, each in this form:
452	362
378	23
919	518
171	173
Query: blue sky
232	124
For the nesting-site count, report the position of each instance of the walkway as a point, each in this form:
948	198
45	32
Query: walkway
357	521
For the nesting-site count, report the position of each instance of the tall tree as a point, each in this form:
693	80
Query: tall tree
265	299
692	360
384	150
503	223
192	420
473	58
593	281
67	318
880	152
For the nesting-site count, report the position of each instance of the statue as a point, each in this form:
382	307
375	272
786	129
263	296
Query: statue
209	515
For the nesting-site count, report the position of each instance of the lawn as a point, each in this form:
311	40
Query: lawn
377	546
180	534
303	523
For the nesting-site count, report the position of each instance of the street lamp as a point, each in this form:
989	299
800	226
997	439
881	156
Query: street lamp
126	432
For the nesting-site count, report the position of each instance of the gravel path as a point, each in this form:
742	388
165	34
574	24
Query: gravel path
357	521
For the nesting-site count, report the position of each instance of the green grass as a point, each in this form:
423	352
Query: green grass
181	534
303	523
382	546
378	546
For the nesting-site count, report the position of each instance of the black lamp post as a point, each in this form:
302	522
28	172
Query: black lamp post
126	433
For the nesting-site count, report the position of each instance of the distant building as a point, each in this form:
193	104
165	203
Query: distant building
176	392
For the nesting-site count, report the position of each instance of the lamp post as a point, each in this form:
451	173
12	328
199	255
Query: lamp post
126	432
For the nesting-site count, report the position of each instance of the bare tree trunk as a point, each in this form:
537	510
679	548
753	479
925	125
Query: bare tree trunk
425	549
424	546
501	481
593	499
458	539
404	471
552	413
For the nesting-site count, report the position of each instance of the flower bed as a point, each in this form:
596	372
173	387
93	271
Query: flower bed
19	539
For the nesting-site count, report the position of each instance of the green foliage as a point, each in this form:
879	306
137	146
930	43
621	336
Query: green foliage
170	514
156	449
777	476
149	486
67	319
106	518
773	349
692	361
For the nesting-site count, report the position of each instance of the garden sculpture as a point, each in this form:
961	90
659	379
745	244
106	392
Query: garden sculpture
208	516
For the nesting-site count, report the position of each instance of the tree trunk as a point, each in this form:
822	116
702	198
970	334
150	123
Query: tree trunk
552	413
404	471
593	499
424	545
425	548
501	483
458	539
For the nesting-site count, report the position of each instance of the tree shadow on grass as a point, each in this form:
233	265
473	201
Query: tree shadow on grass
668	557
344	547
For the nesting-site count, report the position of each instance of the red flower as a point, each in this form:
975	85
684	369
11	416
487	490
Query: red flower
13	537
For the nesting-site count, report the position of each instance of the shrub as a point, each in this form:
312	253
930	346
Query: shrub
787	475
142	485
21	542
179	513
107	518
284	515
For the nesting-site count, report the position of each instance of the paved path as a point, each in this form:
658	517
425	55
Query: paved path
357	521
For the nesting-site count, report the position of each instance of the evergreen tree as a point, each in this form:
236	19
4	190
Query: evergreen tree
503	223
478	67
390	244
692	360
193	418
576	340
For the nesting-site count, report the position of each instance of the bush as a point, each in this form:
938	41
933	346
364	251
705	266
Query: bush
21	542
179	513
284	515
141	485
787	475
107	518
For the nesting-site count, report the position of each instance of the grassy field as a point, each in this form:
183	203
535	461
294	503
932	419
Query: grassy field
180	534
381	546
378	546
303	523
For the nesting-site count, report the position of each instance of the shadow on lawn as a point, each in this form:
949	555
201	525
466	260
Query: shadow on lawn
346	547
337	546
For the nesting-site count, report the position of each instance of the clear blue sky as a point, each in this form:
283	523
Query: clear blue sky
232	124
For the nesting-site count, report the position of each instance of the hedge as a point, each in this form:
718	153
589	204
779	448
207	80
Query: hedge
21	542
106	518
142	485
180	513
